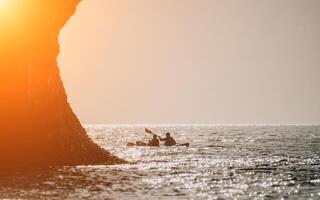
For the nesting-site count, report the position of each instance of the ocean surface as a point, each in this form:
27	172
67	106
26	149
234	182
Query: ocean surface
222	162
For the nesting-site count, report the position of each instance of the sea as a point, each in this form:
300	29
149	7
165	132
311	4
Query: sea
222	162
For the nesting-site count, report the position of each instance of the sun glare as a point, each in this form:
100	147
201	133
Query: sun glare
9	10
6	8
4	4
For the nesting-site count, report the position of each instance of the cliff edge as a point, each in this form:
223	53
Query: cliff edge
37	125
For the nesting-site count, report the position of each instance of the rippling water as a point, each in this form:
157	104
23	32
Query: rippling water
248	162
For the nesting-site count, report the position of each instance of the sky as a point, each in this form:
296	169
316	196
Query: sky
193	62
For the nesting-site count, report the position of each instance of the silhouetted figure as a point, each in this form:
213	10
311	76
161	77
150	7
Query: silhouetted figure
169	141
154	142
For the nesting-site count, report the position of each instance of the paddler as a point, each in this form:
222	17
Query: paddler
169	141
154	142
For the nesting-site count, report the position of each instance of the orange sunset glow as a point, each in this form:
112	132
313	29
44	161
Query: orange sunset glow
159	99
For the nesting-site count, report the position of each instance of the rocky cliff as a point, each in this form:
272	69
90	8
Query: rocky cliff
38	126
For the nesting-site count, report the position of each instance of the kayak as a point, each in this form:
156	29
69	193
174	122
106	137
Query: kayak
183	145
138	143
143	144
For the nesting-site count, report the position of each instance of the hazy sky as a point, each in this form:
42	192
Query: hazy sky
193	61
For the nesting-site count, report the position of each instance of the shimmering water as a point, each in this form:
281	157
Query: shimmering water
248	162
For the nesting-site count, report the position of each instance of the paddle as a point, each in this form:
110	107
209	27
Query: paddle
148	131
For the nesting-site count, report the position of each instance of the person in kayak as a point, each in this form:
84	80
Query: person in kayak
154	142
169	141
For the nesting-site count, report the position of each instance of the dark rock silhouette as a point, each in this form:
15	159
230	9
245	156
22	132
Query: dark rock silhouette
37	125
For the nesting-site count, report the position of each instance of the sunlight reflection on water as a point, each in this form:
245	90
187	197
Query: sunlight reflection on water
222	162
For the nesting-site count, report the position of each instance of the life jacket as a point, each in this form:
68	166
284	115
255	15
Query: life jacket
170	142
154	143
